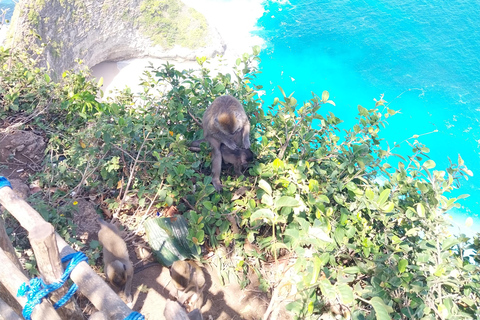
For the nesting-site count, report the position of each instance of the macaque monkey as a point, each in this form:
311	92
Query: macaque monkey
188	277
174	311
117	265
238	157
225	122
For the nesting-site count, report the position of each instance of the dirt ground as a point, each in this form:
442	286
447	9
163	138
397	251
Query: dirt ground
21	155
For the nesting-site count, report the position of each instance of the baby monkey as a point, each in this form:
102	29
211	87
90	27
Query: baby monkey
225	122
238	157
189	280
117	265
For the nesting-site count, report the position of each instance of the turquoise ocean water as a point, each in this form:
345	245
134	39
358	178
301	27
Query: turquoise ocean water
422	55
7	5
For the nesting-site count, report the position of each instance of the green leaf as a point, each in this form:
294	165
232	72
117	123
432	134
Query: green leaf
420	210
219	88
267	200
265	186
277	164
323	198
450	242
443	311
286	201
369	194
317	265
263	214
168	239
463	196
383	197
327	289
345	293
319	234
325	96
402	265
388	207
380	308
295	307
429	164
351	270
207	204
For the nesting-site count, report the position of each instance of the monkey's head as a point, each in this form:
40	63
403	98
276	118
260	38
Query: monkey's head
227	122
119	276
246	155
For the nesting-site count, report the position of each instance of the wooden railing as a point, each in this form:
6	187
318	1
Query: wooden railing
48	248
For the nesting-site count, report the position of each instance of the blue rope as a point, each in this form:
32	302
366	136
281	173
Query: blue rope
135	316
4	182
38	289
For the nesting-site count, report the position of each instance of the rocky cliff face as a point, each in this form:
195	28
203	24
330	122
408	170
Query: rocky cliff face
110	30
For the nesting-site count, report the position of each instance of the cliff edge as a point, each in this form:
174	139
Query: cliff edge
110	30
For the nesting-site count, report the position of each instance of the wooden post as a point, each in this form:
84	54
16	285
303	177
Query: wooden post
9	300
12	279
44	245
89	283
99	315
7	312
7	246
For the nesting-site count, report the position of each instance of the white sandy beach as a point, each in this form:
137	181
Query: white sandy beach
233	19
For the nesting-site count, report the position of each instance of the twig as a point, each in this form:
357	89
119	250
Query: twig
130	178
155	197
188	204
193	117
284	147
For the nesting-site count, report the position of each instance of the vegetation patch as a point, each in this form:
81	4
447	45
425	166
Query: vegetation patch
351	235
170	22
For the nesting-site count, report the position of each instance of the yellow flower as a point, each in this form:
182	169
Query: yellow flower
171	133
75	203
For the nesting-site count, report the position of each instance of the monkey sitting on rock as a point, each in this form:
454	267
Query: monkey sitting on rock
117	265
225	124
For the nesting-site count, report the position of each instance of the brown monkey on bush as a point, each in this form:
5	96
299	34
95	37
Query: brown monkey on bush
225	123
117	265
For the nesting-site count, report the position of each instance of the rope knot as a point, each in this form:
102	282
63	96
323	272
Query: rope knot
37	289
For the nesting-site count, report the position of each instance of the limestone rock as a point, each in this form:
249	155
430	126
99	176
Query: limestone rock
111	30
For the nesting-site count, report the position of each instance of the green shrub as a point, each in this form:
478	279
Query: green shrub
359	237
